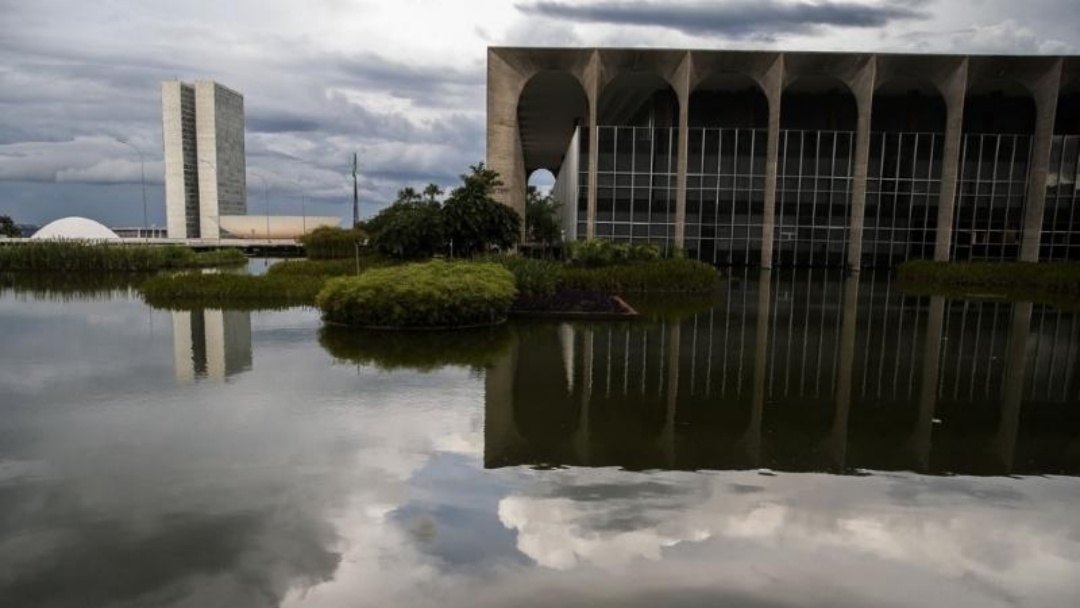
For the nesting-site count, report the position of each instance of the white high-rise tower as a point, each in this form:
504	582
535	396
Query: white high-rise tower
205	166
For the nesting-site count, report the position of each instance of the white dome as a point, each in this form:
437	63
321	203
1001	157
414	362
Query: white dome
75	228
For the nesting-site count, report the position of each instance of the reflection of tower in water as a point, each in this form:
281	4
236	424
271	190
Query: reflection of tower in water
211	344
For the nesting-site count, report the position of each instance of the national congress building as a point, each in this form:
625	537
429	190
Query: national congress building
203	135
782	158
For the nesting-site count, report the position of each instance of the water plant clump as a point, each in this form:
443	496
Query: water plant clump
1008	277
425	295
79	256
190	290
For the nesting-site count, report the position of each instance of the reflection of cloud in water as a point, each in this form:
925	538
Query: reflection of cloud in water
973	540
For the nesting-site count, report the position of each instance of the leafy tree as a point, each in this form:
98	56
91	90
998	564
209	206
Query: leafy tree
473	220
541	218
410	228
8	227
432	192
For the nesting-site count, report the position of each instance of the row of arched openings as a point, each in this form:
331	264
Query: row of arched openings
638	118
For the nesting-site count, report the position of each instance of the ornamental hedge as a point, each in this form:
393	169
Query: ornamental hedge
428	295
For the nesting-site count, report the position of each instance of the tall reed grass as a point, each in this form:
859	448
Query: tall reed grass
77	256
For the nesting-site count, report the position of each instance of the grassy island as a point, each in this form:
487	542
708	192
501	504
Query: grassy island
1025	279
423	295
104	258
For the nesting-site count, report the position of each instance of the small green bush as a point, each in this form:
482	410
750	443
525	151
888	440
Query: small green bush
533	277
80	256
431	294
185	291
328	243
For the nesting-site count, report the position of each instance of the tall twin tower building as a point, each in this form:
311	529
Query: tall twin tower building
203	128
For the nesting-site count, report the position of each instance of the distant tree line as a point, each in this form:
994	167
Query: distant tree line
8	227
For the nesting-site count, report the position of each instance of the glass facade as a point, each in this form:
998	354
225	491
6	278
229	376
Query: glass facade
635	184
990	194
725	190
813	197
902	187
1061	222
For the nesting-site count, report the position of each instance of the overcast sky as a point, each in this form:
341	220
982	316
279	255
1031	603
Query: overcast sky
400	83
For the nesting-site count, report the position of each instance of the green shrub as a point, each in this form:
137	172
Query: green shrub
596	252
532	277
1048	277
78	256
431	294
190	290
544	277
475	348
667	275
328	243
326	268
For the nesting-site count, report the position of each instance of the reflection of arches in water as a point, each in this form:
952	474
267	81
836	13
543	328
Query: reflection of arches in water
212	344
846	375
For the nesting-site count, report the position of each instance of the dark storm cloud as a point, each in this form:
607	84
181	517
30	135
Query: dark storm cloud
737	19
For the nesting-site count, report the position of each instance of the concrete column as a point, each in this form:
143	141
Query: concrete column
761	350
674	348
920	444
1046	100
848	327
774	89
954	92
864	99
1013	389
683	93
593	92
504	153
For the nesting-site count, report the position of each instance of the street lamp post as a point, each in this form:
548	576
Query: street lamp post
266	199
142	170
303	205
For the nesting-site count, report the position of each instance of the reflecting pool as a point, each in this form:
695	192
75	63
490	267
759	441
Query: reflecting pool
801	439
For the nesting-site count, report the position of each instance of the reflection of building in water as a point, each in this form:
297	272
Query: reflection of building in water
211	344
795	372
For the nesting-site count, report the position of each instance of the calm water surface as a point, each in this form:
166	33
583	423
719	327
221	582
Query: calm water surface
798	441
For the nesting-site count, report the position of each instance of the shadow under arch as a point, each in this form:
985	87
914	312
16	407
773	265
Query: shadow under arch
815	172
903	183
553	118
552	105
726	156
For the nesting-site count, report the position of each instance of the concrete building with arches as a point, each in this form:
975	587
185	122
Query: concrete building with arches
768	158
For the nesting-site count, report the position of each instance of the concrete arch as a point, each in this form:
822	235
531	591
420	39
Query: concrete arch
551	105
